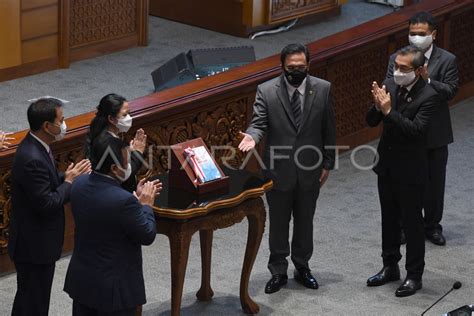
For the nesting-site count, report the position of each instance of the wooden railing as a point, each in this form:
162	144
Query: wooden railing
218	107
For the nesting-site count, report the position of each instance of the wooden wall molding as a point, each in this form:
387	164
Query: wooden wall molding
282	10
10	48
28	69
101	20
243	17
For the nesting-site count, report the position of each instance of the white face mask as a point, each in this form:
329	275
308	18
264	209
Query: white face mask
403	78
127	174
422	42
62	132
124	124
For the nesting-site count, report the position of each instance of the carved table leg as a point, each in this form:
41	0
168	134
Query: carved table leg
205	293
179	244
256	219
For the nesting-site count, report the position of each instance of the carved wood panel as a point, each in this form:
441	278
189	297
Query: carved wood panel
351	80
217	125
401	40
439	41
93	21
286	9
462	44
5	207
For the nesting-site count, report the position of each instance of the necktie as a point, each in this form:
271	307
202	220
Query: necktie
296	108
50	154
402	94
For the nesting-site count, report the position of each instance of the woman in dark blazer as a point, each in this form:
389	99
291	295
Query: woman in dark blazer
113	119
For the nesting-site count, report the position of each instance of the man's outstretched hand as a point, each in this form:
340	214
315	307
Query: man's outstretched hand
247	143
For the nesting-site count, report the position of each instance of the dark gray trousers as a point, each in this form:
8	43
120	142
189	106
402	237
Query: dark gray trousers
434	193
301	204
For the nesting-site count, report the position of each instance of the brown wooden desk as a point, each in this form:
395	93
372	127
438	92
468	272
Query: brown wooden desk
179	215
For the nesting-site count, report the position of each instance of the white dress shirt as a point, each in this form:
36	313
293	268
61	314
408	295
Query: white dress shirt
46	146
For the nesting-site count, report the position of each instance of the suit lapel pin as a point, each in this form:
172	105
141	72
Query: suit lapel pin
409	99
310	91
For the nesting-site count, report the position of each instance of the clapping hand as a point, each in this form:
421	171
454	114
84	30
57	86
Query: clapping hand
424	72
75	170
382	98
5	140
138	143
158	185
247	143
148	192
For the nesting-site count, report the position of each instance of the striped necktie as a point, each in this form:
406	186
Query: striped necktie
296	107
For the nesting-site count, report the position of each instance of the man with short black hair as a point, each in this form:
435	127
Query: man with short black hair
105	274
295	111
405	104
39	193
441	73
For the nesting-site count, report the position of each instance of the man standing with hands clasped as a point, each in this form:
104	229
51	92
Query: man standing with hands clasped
295	112
441	73
39	192
405	105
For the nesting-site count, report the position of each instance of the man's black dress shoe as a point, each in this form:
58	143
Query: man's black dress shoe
275	283
304	277
387	274
437	238
408	287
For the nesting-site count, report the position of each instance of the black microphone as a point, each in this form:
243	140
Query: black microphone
456	286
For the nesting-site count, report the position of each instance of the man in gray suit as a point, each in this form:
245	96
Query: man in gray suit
441	73
295	112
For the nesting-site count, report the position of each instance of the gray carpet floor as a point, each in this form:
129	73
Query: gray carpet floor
347	247
128	72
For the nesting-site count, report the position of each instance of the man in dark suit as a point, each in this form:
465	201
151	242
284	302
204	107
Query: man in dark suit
441	73
405	105
39	192
295	111
105	274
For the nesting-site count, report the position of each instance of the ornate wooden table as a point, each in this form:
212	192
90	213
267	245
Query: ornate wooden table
180	214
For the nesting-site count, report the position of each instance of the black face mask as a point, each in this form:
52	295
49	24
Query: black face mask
295	77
